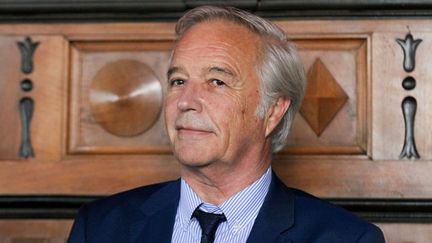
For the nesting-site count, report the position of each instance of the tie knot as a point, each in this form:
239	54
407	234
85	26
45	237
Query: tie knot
209	223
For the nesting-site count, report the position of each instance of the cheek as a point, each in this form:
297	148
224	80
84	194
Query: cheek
170	103
250	121
248	107
169	110
235	117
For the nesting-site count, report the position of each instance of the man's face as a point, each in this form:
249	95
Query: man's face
213	94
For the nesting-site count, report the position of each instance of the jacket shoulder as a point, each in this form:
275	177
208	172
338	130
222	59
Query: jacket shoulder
110	219
330	221
133	197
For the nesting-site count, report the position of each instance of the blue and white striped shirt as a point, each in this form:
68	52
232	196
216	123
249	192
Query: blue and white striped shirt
240	211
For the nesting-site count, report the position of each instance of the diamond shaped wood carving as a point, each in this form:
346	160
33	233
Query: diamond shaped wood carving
323	98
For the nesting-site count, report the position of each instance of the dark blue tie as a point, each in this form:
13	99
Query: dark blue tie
209	223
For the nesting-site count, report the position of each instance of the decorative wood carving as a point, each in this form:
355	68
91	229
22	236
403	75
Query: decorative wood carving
27	48
409	83
390	83
409	104
323	98
346	59
409	107
409	47
359	54
129	74
26	85
26	109
126	97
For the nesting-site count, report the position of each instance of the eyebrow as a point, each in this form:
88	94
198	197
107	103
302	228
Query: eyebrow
172	70
222	70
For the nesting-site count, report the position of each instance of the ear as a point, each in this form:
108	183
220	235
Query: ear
275	113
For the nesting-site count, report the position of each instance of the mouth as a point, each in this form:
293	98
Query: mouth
184	132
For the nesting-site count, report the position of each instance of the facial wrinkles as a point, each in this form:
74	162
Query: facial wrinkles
218	57
219	50
223	51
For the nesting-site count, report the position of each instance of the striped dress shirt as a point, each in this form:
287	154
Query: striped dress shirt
240	211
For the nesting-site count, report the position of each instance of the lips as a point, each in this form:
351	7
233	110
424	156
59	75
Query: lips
192	129
187	131
196	131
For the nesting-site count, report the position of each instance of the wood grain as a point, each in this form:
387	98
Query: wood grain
407	233
388	132
356	156
10	94
86	135
34	231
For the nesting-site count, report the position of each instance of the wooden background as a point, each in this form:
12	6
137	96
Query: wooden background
344	146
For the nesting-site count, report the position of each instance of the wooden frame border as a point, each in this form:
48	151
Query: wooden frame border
65	207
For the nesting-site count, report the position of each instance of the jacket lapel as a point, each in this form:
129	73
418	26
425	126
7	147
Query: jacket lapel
156	222
158	215
276	215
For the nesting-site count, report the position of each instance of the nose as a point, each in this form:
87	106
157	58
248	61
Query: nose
189	99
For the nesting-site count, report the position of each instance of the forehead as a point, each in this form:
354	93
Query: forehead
220	37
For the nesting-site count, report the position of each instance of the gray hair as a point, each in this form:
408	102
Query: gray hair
281	71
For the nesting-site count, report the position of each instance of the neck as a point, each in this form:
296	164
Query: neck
215	185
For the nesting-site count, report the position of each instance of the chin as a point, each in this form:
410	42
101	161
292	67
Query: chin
192	161
193	158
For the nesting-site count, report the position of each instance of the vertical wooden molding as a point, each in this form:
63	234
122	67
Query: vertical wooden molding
27	48
409	47
26	104
409	83
409	107
26	110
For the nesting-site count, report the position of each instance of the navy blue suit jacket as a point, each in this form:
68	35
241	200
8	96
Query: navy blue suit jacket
146	215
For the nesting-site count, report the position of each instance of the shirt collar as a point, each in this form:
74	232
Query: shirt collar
189	201
239	210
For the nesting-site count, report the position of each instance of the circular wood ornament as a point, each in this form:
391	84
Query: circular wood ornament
125	97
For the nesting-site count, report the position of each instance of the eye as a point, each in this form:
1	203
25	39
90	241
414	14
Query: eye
217	82
177	82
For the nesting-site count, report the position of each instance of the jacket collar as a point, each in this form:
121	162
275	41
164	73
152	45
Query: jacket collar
276	215
158	215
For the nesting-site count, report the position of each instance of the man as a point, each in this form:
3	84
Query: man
235	84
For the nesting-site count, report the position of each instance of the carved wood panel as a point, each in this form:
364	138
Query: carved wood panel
390	71
116	97
342	130
345	156
80	147
335	98
31	97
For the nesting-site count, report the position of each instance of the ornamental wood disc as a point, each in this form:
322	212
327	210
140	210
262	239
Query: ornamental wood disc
125	97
